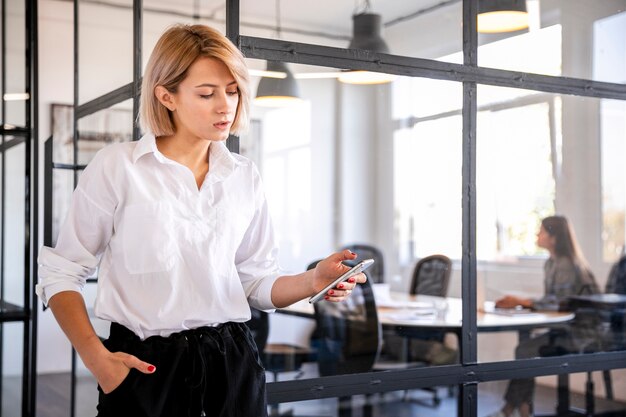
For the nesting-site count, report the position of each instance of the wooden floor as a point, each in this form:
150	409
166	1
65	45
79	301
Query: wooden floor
53	400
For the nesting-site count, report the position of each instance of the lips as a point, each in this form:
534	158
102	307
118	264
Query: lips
222	125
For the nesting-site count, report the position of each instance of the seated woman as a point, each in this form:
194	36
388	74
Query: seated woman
565	273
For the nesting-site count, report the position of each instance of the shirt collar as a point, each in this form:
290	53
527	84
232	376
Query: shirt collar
223	162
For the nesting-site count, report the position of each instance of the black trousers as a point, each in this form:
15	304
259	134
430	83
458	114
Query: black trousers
212	371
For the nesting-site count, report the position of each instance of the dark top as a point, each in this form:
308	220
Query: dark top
564	278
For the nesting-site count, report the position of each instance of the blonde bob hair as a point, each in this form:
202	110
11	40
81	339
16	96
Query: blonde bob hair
176	50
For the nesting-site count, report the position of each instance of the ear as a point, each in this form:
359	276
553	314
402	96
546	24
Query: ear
165	97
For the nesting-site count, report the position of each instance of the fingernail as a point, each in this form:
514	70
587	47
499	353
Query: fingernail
350	279
340	286
352	253
151	368
326	298
331	292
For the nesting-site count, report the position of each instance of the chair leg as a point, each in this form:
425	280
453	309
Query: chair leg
608	384
589	398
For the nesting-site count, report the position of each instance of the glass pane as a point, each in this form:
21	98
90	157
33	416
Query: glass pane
546	399
581	39
339	165
63	134
158	15
105	55
406	28
15	57
549	187
12	362
104	127
414	403
612	113
14	223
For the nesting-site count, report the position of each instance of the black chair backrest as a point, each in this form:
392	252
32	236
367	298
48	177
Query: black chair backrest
431	276
259	325
348	333
364	251
616	283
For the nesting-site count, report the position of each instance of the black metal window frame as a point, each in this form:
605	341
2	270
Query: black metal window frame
12	136
468	373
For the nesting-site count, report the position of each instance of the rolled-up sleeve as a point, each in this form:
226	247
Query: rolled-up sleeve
82	238
257	257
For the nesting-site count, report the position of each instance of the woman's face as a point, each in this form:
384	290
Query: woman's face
544	239
205	104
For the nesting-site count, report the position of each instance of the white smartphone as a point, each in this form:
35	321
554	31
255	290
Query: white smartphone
360	267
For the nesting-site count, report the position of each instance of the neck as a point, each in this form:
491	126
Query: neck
191	153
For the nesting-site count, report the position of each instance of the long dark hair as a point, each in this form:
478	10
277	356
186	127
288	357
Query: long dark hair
565	243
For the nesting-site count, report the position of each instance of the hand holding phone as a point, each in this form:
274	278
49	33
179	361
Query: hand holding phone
358	268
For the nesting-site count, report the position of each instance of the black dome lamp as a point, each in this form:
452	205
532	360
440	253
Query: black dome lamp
366	34
277	92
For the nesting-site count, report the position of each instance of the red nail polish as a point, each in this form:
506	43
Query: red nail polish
151	368
326	297
350	279
340	286
331	292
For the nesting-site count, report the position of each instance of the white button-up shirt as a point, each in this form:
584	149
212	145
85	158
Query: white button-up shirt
171	257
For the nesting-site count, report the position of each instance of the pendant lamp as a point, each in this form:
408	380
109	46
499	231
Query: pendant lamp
495	16
366	29
277	92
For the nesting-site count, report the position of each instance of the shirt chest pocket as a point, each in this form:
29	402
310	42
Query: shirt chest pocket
149	241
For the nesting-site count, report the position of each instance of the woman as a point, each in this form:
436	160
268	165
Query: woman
180	230
565	273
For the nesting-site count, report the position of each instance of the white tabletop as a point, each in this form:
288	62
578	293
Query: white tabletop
402	309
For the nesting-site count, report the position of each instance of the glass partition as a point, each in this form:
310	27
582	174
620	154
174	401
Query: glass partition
15	65
14	200
105	55
406	28
102	128
578	39
159	15
376	169
581	394
11	372
549	191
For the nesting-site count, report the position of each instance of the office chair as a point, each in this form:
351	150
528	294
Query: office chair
349	337
277	358
431	276
366	251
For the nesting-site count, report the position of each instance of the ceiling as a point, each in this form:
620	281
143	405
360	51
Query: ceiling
332	18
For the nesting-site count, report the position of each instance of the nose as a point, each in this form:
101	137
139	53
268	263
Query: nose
224	104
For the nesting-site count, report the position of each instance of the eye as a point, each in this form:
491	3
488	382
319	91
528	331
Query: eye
233	93
206	96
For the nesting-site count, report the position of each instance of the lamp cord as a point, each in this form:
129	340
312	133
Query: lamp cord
278	19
